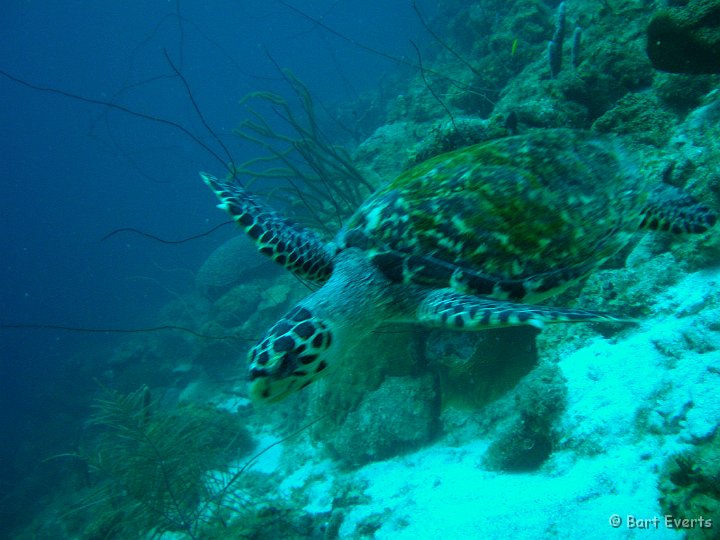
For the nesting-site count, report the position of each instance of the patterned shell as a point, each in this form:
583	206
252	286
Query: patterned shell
512	208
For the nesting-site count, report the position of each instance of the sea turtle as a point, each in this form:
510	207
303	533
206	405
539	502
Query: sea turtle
468	240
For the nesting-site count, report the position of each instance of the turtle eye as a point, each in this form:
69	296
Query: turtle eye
256	373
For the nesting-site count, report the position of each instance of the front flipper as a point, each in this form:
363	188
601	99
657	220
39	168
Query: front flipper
449	309
296	248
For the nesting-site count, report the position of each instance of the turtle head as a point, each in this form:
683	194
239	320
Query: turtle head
293	353
316	335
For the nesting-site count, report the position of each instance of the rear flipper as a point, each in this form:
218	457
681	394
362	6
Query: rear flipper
449	309
670	209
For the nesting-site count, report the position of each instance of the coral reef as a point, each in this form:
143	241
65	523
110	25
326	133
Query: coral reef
690	487
640	115
416	413
451	135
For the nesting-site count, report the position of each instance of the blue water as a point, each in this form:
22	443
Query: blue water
73	171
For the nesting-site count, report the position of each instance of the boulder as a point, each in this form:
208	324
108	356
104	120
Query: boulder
686	39
234	262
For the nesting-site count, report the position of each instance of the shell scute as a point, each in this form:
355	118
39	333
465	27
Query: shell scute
512	208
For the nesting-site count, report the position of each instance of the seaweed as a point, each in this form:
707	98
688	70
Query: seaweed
151	469
321	174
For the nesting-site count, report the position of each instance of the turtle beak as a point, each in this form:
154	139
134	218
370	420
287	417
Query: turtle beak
265	391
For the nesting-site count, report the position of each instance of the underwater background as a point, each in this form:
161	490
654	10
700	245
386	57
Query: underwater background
124	327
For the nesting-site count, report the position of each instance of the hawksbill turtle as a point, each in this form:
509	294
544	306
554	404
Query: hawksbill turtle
469	240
